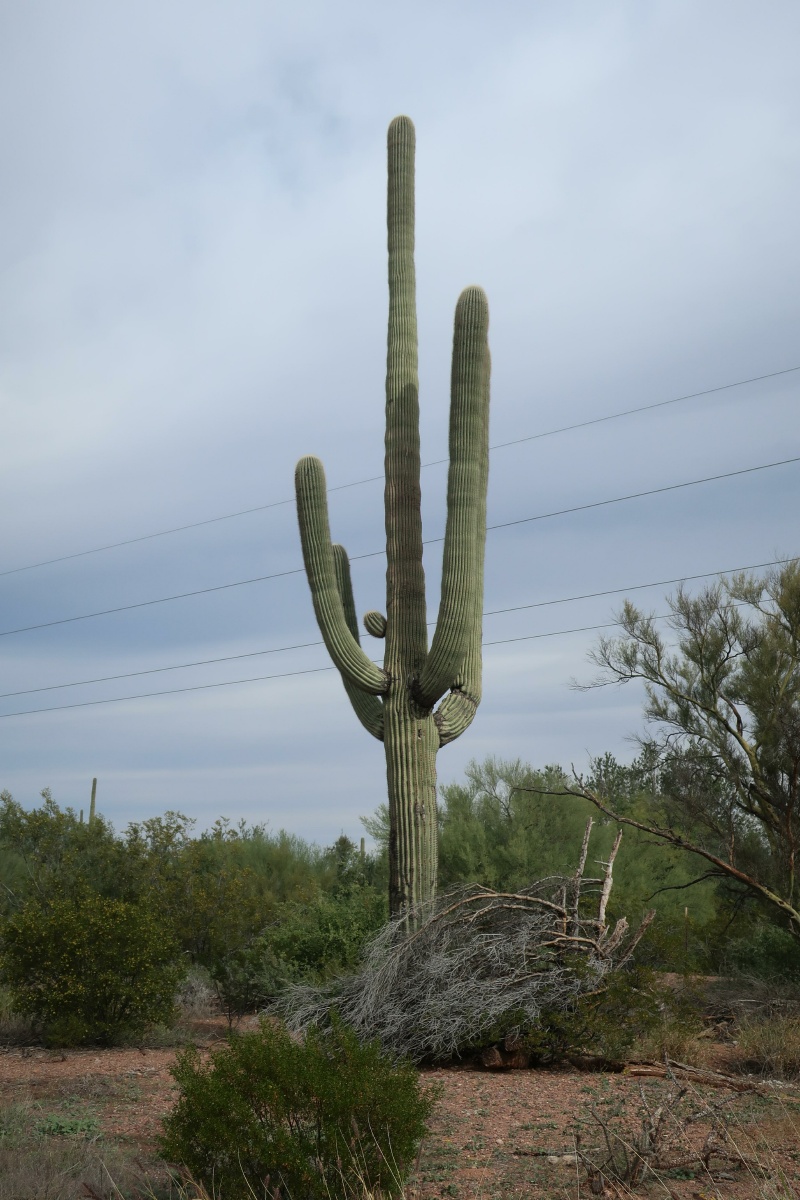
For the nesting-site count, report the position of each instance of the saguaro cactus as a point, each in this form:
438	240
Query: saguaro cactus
398	703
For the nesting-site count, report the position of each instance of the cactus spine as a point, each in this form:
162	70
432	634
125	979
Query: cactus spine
398	703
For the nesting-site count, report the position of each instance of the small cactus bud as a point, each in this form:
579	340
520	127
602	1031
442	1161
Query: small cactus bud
375	624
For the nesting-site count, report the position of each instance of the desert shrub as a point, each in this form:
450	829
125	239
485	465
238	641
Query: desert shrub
678	1025
196	995
315	1119
768	952
770	1045
14	1028
89	968
307	942
247	979
605	1022
325	937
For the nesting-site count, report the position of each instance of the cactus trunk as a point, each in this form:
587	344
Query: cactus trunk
397	703
412	741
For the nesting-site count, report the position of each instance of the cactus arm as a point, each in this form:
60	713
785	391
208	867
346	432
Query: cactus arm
312	513
407	635
457	710
465	531
367	707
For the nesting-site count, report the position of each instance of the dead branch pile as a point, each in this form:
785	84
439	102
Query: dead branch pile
681	1131
476	959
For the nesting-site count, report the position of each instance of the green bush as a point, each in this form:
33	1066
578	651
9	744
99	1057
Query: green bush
88	968
317	1120
325	937
309	942
767	953
605	1023
247	980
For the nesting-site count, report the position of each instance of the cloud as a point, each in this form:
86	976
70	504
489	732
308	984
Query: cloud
193	295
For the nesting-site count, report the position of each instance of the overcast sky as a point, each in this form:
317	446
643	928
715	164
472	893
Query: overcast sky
193	294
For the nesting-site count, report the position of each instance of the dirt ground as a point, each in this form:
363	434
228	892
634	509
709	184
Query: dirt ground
495	1134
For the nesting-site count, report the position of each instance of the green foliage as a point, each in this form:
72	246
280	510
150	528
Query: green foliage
316	1119
494	833
503	830
49	847
766	952
326	936
89	968
68	1125
217	892
605	1023
723	701
311	940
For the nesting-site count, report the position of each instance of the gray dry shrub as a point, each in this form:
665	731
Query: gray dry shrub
480	961
197	996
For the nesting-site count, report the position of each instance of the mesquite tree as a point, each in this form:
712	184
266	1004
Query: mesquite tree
398	702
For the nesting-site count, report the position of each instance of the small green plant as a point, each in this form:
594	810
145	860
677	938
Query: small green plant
318	1120
89	968
307	942
68	1125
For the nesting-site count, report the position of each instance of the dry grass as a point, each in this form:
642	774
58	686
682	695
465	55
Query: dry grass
771	1046
46	1156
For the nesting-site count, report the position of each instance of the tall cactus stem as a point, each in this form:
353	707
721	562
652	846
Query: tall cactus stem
396	704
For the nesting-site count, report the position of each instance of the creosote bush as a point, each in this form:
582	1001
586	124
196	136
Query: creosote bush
88	968
604	1022
315	1119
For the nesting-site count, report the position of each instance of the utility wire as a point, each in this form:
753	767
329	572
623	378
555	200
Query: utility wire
628	412
490	613
673	487
202	687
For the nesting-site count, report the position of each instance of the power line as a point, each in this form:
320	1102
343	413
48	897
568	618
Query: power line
197	687
244	512
375	553
673	487
203	662
202	687
635	587
489	613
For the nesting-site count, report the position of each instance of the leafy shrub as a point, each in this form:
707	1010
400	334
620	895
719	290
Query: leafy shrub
89	968
603	1023
247	979
767	953
315	1119
326	937
307	943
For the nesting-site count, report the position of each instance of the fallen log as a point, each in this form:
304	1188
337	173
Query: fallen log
705	1075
